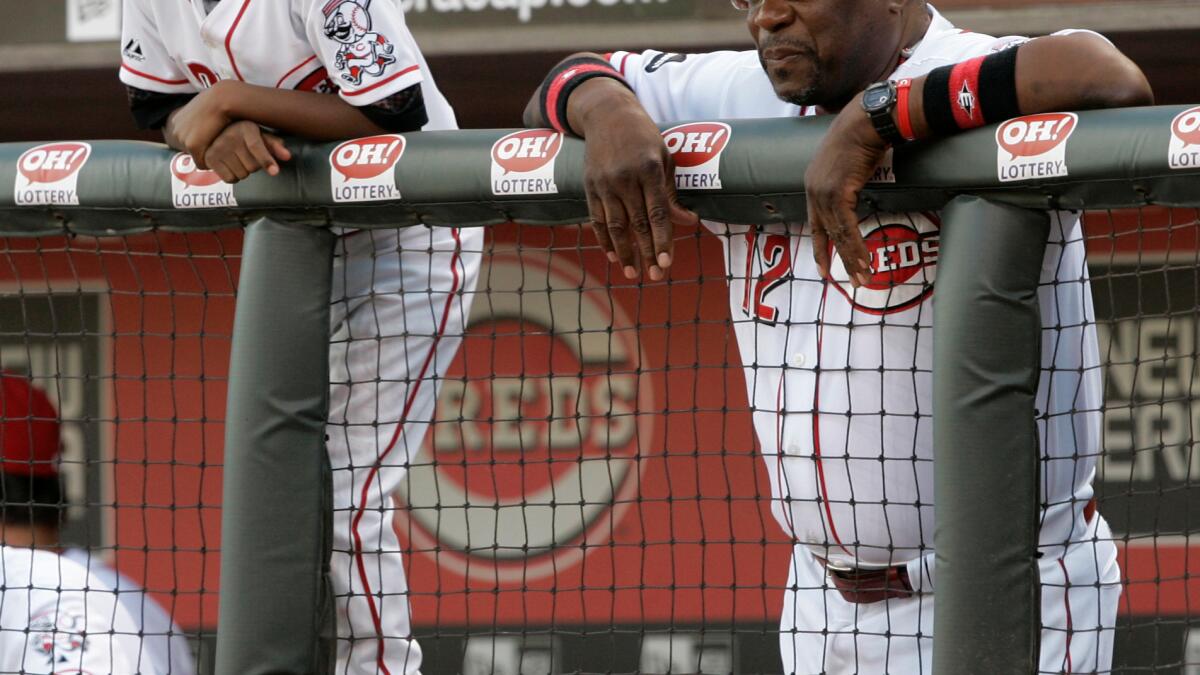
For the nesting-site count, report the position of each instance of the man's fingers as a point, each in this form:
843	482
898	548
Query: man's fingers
277	147
599	225
660	208
618	232
850	246
224	172
262	156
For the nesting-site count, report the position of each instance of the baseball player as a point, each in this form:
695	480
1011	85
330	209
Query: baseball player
35	565
834	317
57	617
215	76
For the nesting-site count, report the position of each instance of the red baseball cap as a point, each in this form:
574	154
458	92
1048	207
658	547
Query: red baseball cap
29	440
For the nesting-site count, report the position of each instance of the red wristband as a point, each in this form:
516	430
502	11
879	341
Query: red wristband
903	115
964	94
563	80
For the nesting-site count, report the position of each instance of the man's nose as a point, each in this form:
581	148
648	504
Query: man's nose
773	15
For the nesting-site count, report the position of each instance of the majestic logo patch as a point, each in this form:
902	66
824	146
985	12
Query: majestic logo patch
192	188
133	50
360	50
696	149
535	444
1034	147
364	169
1185	140
48	174
904	254
523	163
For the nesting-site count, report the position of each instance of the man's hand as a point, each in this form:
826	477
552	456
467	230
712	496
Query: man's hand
846	160
630	182
243	148
195	126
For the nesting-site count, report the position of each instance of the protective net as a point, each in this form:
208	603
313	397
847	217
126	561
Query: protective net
604	483
114	354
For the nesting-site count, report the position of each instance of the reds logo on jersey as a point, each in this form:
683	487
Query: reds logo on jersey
360	51
523	163
535	442
1035	146
904	254
1185	140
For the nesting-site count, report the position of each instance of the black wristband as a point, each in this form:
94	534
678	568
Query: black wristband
935	101
998	86
564	79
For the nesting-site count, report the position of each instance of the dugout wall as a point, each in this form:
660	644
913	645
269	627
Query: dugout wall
1094	161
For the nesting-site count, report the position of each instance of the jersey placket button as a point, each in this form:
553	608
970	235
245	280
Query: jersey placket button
799	359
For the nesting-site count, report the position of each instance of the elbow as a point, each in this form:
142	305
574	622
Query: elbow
1117	82
1124	87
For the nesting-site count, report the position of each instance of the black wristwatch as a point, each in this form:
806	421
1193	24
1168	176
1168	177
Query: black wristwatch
879	101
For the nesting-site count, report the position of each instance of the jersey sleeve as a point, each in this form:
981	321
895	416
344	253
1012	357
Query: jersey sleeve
678	87
365	46
145	62
965	45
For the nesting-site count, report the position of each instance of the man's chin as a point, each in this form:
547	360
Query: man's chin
801	95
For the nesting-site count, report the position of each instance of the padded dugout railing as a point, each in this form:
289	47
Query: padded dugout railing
275	611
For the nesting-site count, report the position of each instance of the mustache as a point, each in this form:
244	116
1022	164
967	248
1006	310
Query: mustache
773	48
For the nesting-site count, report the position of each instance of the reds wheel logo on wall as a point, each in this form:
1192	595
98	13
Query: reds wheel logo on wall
904	254
537	430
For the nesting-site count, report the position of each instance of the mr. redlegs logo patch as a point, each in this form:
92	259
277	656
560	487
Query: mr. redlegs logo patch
364	169
696	149
523	163
193	188
1034	146
48	174
1185	140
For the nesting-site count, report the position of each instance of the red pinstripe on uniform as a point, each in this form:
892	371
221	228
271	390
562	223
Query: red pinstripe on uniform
380	83
816	422
279	84
229	40
148	76
1067	602
412	397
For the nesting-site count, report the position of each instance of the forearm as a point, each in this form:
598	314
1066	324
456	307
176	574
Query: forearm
325	117
591	103
1079	71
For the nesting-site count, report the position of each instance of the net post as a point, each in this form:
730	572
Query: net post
987	356
275	606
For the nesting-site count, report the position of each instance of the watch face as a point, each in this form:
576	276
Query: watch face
876	97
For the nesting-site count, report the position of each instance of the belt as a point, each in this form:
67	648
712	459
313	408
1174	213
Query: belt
864	586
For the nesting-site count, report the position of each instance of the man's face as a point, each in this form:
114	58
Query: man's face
823	52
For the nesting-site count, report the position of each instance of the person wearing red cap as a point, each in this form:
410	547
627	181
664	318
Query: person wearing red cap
64	610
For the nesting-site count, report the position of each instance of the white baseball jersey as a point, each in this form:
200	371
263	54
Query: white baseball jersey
56	617
358	48
841	388
164	644
400	297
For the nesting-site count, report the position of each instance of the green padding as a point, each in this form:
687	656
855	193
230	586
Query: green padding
987	346
1115	158
275	520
